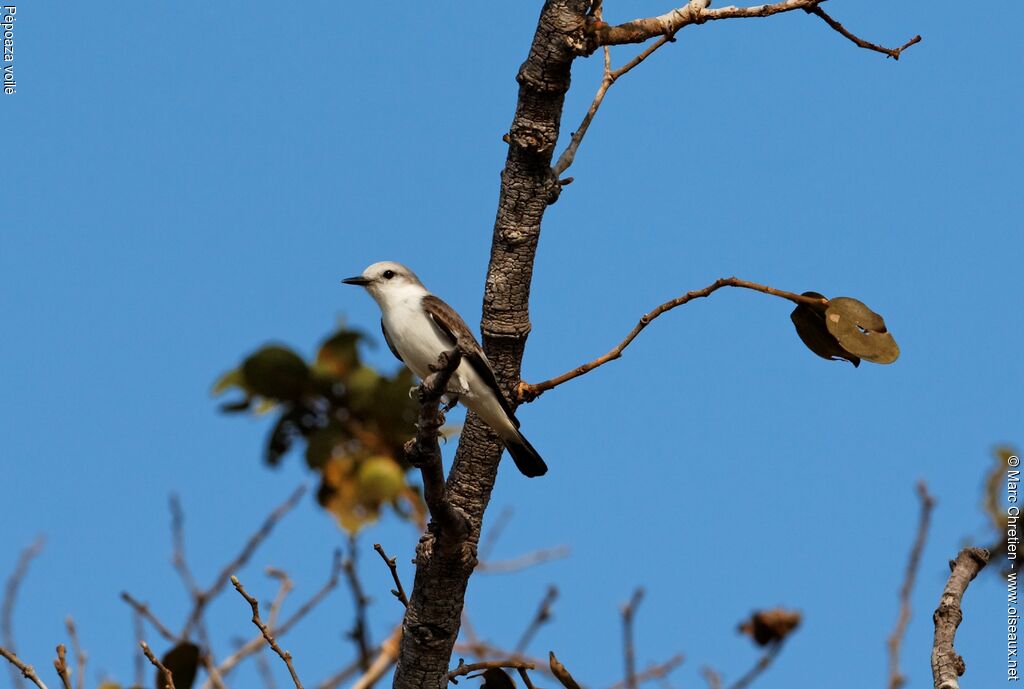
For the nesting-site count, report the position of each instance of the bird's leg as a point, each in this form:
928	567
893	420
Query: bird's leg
450	400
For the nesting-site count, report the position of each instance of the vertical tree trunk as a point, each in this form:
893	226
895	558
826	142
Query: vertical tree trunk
528	186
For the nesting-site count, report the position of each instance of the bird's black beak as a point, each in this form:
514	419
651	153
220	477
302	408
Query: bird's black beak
358	280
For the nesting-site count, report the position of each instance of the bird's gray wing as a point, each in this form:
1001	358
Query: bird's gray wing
451	324
387	338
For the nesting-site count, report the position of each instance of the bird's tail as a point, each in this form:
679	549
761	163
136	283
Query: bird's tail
526	458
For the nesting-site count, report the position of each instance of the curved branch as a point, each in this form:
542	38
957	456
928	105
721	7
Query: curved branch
25	670
531	391
947	665
670	23
255	605
896	678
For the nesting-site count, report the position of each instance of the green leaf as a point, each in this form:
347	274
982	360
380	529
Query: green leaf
860	331
182	661
276	372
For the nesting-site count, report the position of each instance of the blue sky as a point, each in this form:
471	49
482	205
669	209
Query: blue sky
184	182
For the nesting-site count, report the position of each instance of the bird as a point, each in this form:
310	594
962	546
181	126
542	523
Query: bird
418	327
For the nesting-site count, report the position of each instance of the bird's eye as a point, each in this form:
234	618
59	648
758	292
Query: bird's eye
388	274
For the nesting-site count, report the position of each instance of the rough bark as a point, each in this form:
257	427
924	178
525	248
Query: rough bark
528	186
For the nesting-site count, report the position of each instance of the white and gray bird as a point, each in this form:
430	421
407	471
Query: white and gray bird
419	327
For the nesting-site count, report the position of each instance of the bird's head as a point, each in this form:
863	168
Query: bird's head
386	280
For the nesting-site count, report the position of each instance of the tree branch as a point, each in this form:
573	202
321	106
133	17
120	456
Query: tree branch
398	592
145	613
762	664
561	673
255	605
947	665
61	666
26	671
256	643
360	632
670	23
424	451
11	595
202	597
529	392
628	649
464	669
80	656
896	678
654	671
542	615
386	658
164	672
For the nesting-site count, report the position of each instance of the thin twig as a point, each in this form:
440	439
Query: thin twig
464	668
256	643
138	628
61	666
762	664
335	680
628	648
529	392
24	670
178	559
522	562
896	678
386	658
164	672
80	656
494	532
11	595
560	673
712	677
398	592
542	615
360	632
255	605
947	665
654	671
202	598
143	611
894	53
213	675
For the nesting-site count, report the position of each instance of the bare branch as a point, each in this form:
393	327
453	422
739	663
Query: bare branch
11	595
655	671
464	669
164	672
628	650
145	613
670	23
139	664
543	615
255	605
712	677
522	562
80	656
360	632
61	666
424	452
202	597
947	665
560	673
178	547
398	592
762	664
894	53
529	392
256	643
896	678
385	659
26	671
340	676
